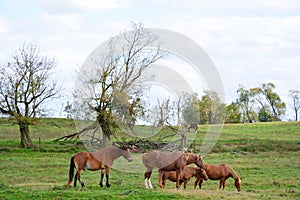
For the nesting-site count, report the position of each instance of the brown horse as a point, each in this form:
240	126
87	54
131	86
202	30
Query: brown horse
102	159
186	174
174	161
220	172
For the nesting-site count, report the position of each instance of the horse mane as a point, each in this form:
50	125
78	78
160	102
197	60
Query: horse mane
191	170
232	172
188	156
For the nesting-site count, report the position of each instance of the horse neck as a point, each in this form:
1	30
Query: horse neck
114	153
193	171
191	158
232	173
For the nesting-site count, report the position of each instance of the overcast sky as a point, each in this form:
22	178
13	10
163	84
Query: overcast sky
250	42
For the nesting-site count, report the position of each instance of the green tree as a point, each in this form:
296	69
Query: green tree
190	110
246	102
264	114
212	109
233	114
277	106
25	86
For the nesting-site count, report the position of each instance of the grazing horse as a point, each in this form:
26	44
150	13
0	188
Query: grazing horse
102	159
193	126
174	161
220	172
186	174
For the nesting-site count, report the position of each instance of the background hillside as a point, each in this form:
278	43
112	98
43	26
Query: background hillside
265	155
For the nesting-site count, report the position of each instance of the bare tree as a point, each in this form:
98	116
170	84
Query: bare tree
111	91
25	86
295	95
164	111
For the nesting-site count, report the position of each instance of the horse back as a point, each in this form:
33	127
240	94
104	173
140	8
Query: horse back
216	172
85	160
185	174
161	160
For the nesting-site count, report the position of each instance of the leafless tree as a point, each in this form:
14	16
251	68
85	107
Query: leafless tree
25	86
110	87
295	95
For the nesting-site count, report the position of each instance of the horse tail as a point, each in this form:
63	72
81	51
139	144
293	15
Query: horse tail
71	171
232	172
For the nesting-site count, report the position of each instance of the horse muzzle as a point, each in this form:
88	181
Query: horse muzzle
129	159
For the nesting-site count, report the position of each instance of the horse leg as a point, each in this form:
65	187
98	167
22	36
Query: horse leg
75	180
221	184
77	176
224	184
101	178
185	183
200	183
160	178
147	179
107	176
164	182
177	178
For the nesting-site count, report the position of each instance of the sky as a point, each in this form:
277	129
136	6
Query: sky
250	42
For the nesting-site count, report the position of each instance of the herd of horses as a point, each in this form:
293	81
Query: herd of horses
171	166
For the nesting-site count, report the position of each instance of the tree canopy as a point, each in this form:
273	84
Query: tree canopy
25	87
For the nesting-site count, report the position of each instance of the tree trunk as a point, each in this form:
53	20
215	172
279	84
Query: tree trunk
182	146
106	134
25	138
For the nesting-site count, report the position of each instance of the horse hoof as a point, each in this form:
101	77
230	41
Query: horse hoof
108	185
101	185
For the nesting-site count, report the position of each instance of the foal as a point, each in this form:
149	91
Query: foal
102	159
186	174
220	172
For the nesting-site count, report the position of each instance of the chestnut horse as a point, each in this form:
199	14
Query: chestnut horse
174	161
220	172
186	174
102	159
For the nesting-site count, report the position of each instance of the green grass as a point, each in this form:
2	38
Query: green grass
265	155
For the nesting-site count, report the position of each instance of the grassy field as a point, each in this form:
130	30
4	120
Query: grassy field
265	155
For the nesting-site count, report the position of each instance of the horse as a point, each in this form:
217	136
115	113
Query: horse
174	161
186	174
102	159
193	126
220	172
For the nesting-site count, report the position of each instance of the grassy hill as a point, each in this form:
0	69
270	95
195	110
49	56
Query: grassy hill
265	155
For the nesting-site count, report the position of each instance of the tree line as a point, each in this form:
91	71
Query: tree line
113	93
257	104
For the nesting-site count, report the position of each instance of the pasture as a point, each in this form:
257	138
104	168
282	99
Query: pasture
266	157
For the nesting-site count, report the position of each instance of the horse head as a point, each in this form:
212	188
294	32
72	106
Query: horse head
237	183
199	162
124	151
201	173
